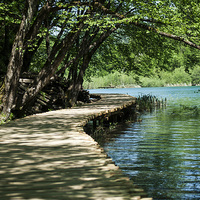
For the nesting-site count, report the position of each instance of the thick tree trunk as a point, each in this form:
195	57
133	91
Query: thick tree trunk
26	33
13	71
76	85
57	54
74	89
49	69
28	56
16	61
87	51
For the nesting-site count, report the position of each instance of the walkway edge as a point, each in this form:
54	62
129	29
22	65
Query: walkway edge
49	156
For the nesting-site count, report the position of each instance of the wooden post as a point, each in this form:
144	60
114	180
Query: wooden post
94	124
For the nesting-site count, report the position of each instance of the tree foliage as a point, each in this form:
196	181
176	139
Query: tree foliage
52	36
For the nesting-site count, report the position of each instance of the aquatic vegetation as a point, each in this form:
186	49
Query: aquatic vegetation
149	102
186	111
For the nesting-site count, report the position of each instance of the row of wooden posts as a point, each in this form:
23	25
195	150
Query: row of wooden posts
106	120
130	112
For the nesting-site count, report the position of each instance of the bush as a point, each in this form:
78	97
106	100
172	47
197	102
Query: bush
115	79
166	76
159	79
154	81
180	76
195	75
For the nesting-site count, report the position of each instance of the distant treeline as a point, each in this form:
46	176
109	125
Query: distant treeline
177	77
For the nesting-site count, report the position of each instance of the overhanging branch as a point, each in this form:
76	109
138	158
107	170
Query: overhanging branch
168	35
181	39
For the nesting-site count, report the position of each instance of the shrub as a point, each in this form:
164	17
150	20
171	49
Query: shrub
195	75
115	79
154	81
180	76
159	79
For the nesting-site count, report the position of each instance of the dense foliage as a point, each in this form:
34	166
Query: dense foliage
61	38
146	65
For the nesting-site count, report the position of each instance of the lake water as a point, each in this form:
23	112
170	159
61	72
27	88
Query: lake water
162	153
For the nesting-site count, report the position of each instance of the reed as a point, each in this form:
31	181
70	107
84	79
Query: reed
149	102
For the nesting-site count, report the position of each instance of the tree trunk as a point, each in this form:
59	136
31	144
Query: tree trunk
49	69
77	83
13	71
16	61
74	89
28	56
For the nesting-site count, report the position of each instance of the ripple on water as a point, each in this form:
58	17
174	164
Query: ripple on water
162	156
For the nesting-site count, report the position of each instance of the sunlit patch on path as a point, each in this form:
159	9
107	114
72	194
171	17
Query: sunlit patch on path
49	156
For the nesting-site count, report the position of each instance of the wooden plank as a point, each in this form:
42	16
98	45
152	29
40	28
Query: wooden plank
49	156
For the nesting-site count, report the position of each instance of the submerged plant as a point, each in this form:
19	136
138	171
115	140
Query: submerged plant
186	111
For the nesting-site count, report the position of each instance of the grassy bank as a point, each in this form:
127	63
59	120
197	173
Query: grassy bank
178	77
115	79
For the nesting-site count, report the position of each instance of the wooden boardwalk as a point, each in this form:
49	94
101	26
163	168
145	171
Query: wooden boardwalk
48	156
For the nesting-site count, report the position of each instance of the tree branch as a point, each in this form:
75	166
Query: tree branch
168	35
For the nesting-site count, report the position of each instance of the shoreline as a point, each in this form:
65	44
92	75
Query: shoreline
138	86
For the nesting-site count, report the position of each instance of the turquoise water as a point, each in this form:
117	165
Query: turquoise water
162	153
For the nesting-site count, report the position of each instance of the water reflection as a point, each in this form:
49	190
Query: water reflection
161	154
